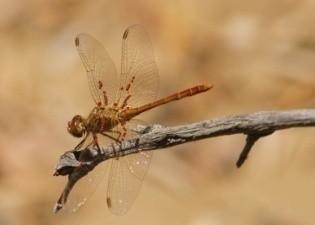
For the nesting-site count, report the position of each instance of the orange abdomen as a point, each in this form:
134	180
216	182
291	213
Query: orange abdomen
130	113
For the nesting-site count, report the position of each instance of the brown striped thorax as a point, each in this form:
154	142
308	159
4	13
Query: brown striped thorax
99	120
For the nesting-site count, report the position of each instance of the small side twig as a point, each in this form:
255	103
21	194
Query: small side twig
250	141
76	164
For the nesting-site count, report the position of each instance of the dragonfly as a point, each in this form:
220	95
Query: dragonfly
119	98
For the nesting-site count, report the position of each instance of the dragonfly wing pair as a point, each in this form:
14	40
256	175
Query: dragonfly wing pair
139	74
137	84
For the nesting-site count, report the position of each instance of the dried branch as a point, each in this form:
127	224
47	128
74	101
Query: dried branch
255	125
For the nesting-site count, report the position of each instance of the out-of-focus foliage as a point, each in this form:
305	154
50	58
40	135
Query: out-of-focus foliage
260	55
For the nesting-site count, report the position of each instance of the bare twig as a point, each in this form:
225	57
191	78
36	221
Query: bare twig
255	125
250	141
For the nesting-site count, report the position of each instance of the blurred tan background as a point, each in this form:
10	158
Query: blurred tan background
260	55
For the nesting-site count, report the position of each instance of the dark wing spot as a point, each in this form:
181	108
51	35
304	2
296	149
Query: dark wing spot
125	35
77	41
109	202
100	84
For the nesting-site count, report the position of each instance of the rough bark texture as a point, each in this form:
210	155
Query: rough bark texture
76	164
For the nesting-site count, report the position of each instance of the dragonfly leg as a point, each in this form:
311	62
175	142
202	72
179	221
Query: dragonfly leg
115	139
81	142
95	142
111	137
118	133
116	155
121	137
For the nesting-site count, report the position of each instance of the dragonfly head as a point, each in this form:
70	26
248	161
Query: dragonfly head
76	126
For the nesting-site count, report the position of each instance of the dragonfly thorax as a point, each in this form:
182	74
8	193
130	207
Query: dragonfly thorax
102	119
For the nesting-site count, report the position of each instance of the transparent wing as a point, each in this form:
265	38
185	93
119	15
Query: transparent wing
139	74
101	72
87	186
125	179
84	189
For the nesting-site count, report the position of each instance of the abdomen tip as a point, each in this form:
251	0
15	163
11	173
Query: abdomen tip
208	87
